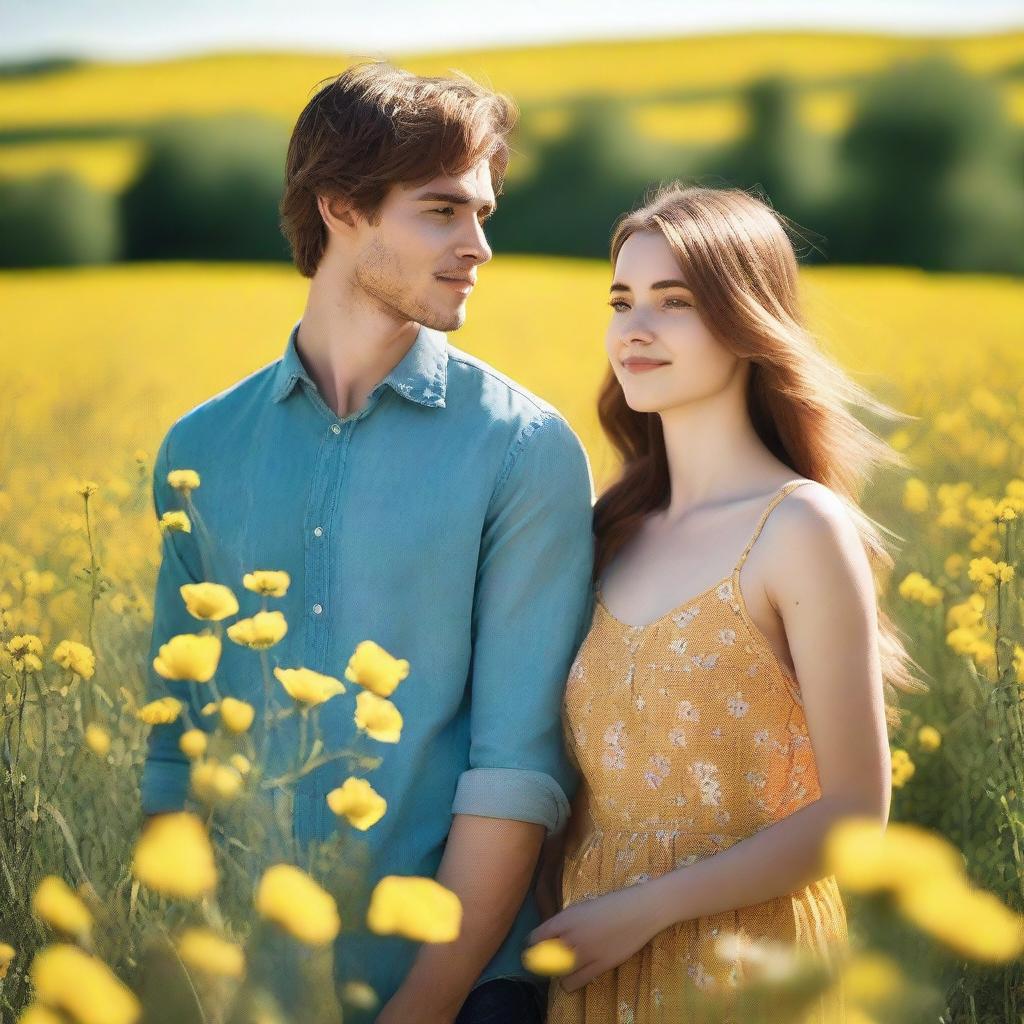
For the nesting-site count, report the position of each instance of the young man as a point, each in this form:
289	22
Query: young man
419	498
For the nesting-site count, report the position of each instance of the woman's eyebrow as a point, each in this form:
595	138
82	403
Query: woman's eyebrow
618	286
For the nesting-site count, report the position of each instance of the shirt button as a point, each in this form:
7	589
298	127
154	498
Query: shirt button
335	429
318	531
317	609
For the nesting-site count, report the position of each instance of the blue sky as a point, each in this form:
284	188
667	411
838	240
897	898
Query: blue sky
127	30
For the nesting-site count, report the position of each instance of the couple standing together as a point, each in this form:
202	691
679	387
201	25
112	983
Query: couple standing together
629	724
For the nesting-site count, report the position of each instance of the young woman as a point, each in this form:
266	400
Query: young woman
728	704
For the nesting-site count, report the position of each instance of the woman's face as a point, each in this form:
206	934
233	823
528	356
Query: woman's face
660	350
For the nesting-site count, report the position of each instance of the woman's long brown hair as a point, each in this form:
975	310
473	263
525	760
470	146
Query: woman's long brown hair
741	267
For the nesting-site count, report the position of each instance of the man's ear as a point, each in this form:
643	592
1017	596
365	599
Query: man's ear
337	213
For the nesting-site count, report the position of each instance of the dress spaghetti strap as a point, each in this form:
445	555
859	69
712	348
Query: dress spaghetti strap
775	499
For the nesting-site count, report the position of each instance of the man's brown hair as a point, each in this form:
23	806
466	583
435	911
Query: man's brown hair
375	125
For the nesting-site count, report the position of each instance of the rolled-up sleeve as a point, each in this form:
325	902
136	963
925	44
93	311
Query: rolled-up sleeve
165	773
531	609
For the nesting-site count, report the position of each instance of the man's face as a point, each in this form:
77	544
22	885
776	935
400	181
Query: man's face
419	261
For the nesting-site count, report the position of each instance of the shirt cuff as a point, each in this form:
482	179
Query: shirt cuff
517	793
165	785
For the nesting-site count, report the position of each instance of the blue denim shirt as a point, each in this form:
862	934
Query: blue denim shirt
449	520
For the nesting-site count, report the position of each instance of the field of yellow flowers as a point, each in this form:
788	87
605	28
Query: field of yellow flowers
102	921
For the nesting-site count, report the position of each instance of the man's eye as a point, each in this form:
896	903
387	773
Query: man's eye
446	210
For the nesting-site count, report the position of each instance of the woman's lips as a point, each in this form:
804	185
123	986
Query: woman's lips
643	367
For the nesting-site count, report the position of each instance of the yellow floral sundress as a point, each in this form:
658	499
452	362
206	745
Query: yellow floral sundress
689	735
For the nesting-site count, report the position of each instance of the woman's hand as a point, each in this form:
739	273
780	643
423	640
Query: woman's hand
603	932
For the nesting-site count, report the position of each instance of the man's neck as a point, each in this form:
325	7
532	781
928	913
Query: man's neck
349	349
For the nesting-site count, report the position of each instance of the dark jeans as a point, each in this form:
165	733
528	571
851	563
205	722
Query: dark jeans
505	1001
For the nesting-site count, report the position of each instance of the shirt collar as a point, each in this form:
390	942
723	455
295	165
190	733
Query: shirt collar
421	376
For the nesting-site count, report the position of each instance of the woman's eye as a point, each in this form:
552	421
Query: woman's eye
615	303
681	301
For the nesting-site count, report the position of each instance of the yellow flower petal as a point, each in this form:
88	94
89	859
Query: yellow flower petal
56	903
174	856
192	656
417	908
69	979
551	957
290	898
374	669
378	717
359	802
210	601
262	630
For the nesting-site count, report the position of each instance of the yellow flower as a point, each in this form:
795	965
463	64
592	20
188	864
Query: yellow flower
1018	662
268	582
357	800
289	897
970	921
416	908
902	768
87	488
968	614
175	521
261	631
360	995
214	782
204	950
871	978
192	656
161	711
36	1013
75	656
866	858
378	717
210	708
25	651
209	600
307	686
374	669
193	743
551	957
916	587
184	480
929	737
954	566
69	979
174	856
237	715
915	495
56	903
240	763
987	573
97	739
7	953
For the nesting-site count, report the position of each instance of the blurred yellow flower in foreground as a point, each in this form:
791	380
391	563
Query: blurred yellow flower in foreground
204	950
359	994
378	717
56	903
209	601
975	923
416	908
268	582
25	650
374	669
68	979
36	1013
262	630
193	743
97	739
915	587
175	521
237	715
358	801
184	480
7	952
192	656
290	898
551	957
161	711
77	657
240	763
871	977
929	737
307	686
865	858
173	856
213	781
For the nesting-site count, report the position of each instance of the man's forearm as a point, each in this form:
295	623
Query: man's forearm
488	863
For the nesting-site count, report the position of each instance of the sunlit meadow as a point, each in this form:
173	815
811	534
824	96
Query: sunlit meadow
94	917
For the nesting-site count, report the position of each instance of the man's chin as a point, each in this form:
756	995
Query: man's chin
444	320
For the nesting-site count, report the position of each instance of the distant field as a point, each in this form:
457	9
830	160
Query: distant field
683	90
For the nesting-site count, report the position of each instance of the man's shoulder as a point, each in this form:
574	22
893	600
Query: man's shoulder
228	409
